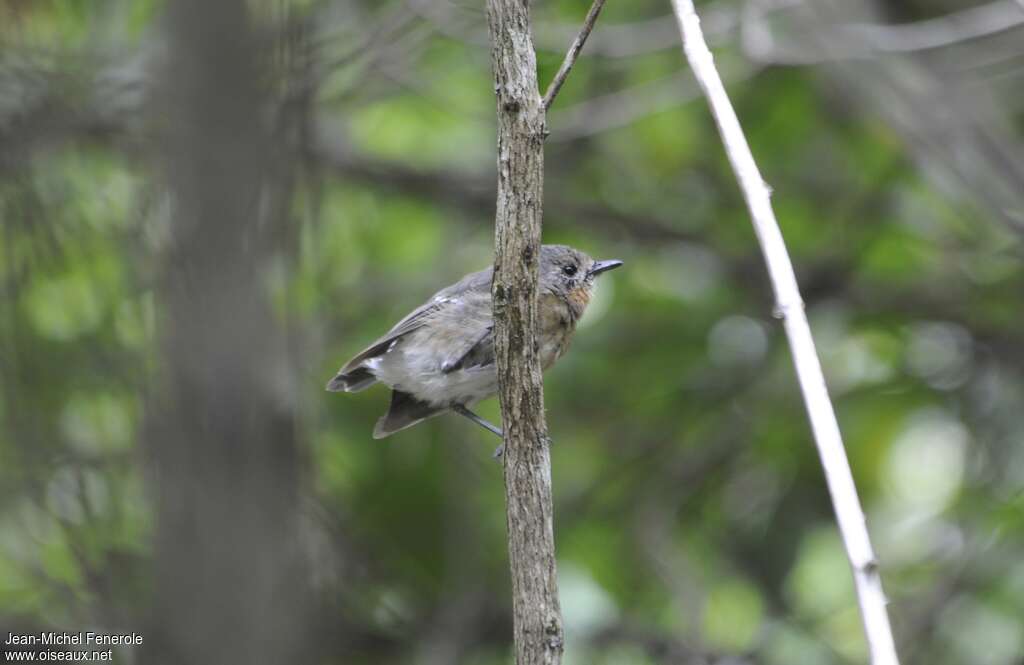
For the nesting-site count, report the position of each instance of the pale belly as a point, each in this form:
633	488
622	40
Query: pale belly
420	374
409	368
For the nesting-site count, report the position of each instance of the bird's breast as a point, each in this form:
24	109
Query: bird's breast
557	326
578	299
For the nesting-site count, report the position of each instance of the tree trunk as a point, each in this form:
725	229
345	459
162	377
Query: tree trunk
224	463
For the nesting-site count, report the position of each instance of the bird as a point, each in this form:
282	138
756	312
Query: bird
440	357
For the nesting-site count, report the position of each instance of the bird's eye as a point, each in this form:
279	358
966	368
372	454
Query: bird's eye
569	270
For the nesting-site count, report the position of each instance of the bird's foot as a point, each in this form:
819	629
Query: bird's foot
466	413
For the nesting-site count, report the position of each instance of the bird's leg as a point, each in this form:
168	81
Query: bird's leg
466	413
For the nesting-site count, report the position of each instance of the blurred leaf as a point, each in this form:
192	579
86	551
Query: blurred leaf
733	613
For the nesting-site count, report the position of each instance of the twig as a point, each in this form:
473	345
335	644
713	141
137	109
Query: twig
852	41
573	53
947	30
624	107
537	616
790	307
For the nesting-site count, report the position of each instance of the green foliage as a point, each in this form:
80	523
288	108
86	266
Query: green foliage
691	512
733	613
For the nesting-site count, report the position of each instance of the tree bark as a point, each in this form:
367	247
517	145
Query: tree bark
521	132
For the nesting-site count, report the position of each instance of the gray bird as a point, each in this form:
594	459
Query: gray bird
441	356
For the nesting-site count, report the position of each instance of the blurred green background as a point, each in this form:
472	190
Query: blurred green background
692	520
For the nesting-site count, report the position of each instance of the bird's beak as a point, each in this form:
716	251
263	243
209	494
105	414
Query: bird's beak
604	266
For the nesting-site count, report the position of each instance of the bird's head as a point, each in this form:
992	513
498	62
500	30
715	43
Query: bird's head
570	274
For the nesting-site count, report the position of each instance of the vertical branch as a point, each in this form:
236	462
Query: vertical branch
790	306
521	132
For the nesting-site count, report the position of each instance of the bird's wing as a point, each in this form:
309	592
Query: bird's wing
414	320
477	352
449	302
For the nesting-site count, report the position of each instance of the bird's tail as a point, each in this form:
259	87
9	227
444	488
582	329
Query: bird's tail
358	379
405	411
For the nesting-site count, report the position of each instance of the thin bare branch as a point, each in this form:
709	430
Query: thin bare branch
573	53
947	30
790	307
851	41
